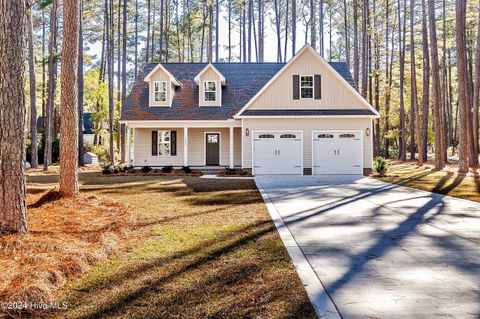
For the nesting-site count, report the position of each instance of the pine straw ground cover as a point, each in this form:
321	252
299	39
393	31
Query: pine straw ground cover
199	249
61	245
446	181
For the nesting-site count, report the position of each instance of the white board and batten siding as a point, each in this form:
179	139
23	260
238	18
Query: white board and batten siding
307	126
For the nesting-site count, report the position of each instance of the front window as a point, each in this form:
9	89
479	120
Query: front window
210	91
163	142
306	87
160	91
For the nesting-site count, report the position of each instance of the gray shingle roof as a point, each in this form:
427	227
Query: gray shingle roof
244	80
286	112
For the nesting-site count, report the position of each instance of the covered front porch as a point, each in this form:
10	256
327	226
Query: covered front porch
197	144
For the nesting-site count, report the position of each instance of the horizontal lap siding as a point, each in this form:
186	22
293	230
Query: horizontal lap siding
307	126
142	149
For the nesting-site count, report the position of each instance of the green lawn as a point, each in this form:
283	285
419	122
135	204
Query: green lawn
202	248
446	182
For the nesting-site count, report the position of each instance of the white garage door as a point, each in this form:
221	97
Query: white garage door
277	153
336	152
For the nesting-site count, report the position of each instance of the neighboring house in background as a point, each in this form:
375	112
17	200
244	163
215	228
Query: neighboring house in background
302	117
88	125
88	134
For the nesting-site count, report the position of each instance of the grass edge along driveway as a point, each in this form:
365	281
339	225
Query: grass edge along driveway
202	248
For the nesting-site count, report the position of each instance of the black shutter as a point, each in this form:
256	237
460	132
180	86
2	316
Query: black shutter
318	86
154	143
296	87
173	143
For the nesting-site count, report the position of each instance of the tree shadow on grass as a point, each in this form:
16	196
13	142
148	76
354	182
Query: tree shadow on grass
443	188
148	277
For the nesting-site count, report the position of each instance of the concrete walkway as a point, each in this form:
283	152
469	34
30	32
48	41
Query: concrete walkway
382	250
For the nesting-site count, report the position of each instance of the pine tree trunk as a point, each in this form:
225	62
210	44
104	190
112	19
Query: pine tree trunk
69	101
135	59
401	39
437	113
229	30
278	31
356	59
33	88
244	32
285	43
321	24
463	107
210	35
51	86
387	77
111	110
124	79
426	82
476	89
414	114
217	36
44	81
347	36
80	88
161	36
147	46
364	50
249	46
294	27
12	118
313	34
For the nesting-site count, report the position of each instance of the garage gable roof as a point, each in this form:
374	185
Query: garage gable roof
340	71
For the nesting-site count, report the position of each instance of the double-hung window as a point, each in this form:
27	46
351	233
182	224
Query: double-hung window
160	91
306	87
210	91
164	142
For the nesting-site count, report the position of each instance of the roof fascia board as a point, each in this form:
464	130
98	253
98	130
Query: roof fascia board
302	116
210	66
161	67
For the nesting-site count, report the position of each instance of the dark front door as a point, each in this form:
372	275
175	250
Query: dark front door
212	149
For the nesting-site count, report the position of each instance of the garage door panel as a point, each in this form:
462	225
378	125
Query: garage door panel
277	153
337	153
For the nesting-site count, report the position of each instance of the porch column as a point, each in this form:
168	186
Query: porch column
129	142
231	147
185	146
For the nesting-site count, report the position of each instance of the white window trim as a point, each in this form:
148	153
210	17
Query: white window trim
205	91
155	92
161	141
300	87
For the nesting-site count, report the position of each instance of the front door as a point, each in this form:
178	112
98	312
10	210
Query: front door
212	149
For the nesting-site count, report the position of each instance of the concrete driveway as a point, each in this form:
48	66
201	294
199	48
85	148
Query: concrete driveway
381	250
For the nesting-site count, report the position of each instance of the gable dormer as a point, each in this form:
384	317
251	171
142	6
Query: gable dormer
210	82
162	86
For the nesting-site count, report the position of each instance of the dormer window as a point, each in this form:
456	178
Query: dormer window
160	88
210	91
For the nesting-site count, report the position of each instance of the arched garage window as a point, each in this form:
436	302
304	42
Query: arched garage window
325	136
288	136
266	136
347	135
